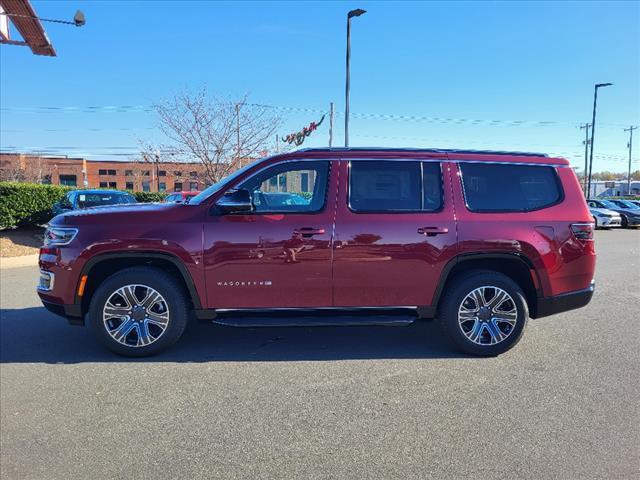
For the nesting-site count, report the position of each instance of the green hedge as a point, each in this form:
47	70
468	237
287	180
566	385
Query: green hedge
27	204
148	197
30	204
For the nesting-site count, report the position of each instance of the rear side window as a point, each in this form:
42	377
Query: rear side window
394	186
509	188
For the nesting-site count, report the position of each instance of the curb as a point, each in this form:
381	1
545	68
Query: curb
17	262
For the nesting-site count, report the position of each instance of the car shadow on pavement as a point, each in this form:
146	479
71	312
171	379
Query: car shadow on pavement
33	335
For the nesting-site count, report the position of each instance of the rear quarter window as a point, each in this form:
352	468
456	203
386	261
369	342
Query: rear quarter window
509	188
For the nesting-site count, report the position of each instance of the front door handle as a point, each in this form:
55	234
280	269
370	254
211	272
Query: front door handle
309	231
432	231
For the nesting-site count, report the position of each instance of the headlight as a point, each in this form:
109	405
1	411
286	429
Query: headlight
57	236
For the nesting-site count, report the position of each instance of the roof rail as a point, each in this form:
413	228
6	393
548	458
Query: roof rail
426	150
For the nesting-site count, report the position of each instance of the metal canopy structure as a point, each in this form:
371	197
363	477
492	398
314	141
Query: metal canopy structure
24	18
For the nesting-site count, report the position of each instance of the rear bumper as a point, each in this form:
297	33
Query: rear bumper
562	303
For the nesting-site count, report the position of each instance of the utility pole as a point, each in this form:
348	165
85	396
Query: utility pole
238	131
630	145
586	142
331	125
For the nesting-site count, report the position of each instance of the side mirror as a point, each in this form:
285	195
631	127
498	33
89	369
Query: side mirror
235	201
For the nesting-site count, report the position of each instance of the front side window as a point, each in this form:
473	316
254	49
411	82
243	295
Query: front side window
394	186
509	188
279	188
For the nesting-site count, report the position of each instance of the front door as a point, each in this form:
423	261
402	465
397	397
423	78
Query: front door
278	256
395	231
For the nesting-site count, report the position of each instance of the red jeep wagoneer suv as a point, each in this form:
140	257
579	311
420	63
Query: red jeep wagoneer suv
479	240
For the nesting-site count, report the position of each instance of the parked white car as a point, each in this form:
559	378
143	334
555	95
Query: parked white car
605	218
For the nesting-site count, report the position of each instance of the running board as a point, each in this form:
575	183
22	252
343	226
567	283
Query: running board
302	320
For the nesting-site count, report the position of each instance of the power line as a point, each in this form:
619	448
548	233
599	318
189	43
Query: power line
361	115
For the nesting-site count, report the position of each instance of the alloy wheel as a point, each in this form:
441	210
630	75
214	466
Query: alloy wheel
135	315
487	315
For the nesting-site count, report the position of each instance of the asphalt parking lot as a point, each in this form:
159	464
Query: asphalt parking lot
328	402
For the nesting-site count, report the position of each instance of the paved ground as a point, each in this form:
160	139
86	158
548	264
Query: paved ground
328	402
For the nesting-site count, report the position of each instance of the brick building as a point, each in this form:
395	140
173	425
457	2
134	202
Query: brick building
121	175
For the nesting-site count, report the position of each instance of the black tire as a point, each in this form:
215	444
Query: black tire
625	222
177	309
457	292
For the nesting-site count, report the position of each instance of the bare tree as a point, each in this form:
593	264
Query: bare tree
220	134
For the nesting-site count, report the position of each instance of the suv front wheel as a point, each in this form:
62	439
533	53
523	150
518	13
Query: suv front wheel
484	313
139	311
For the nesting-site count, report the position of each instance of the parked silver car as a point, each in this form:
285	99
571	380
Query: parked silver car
605	218
630	213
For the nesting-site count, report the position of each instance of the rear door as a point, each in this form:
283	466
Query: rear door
395	230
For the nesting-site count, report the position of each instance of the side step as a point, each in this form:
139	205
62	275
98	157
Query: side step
315	319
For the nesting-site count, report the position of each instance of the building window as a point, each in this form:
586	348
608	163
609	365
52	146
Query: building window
102	172
145	173
103	184
193	174
193	186
46	180
128	173
162	173
68	180
177	187
162	187
177	173
113	185
111	172
146	187
129	186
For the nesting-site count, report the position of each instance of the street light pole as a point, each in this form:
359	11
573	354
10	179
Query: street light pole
630	145
593	131
352	13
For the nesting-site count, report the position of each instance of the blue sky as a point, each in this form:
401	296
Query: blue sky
467	69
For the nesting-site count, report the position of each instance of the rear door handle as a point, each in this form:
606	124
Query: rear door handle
309	231
432	231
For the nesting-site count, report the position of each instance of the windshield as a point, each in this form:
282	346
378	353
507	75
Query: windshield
216	187
625	204
86	200
609	204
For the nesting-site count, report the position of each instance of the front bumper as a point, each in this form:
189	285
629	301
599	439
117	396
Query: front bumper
562	303
609	222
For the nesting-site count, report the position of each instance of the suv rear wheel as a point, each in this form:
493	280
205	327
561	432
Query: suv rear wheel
484	313
139	311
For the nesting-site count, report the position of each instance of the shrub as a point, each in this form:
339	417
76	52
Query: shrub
148	197
31	204
27	204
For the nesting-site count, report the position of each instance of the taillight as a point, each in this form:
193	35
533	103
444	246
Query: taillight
582	231
48	251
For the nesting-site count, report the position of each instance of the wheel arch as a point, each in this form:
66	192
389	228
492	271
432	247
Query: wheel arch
102	266
516	266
